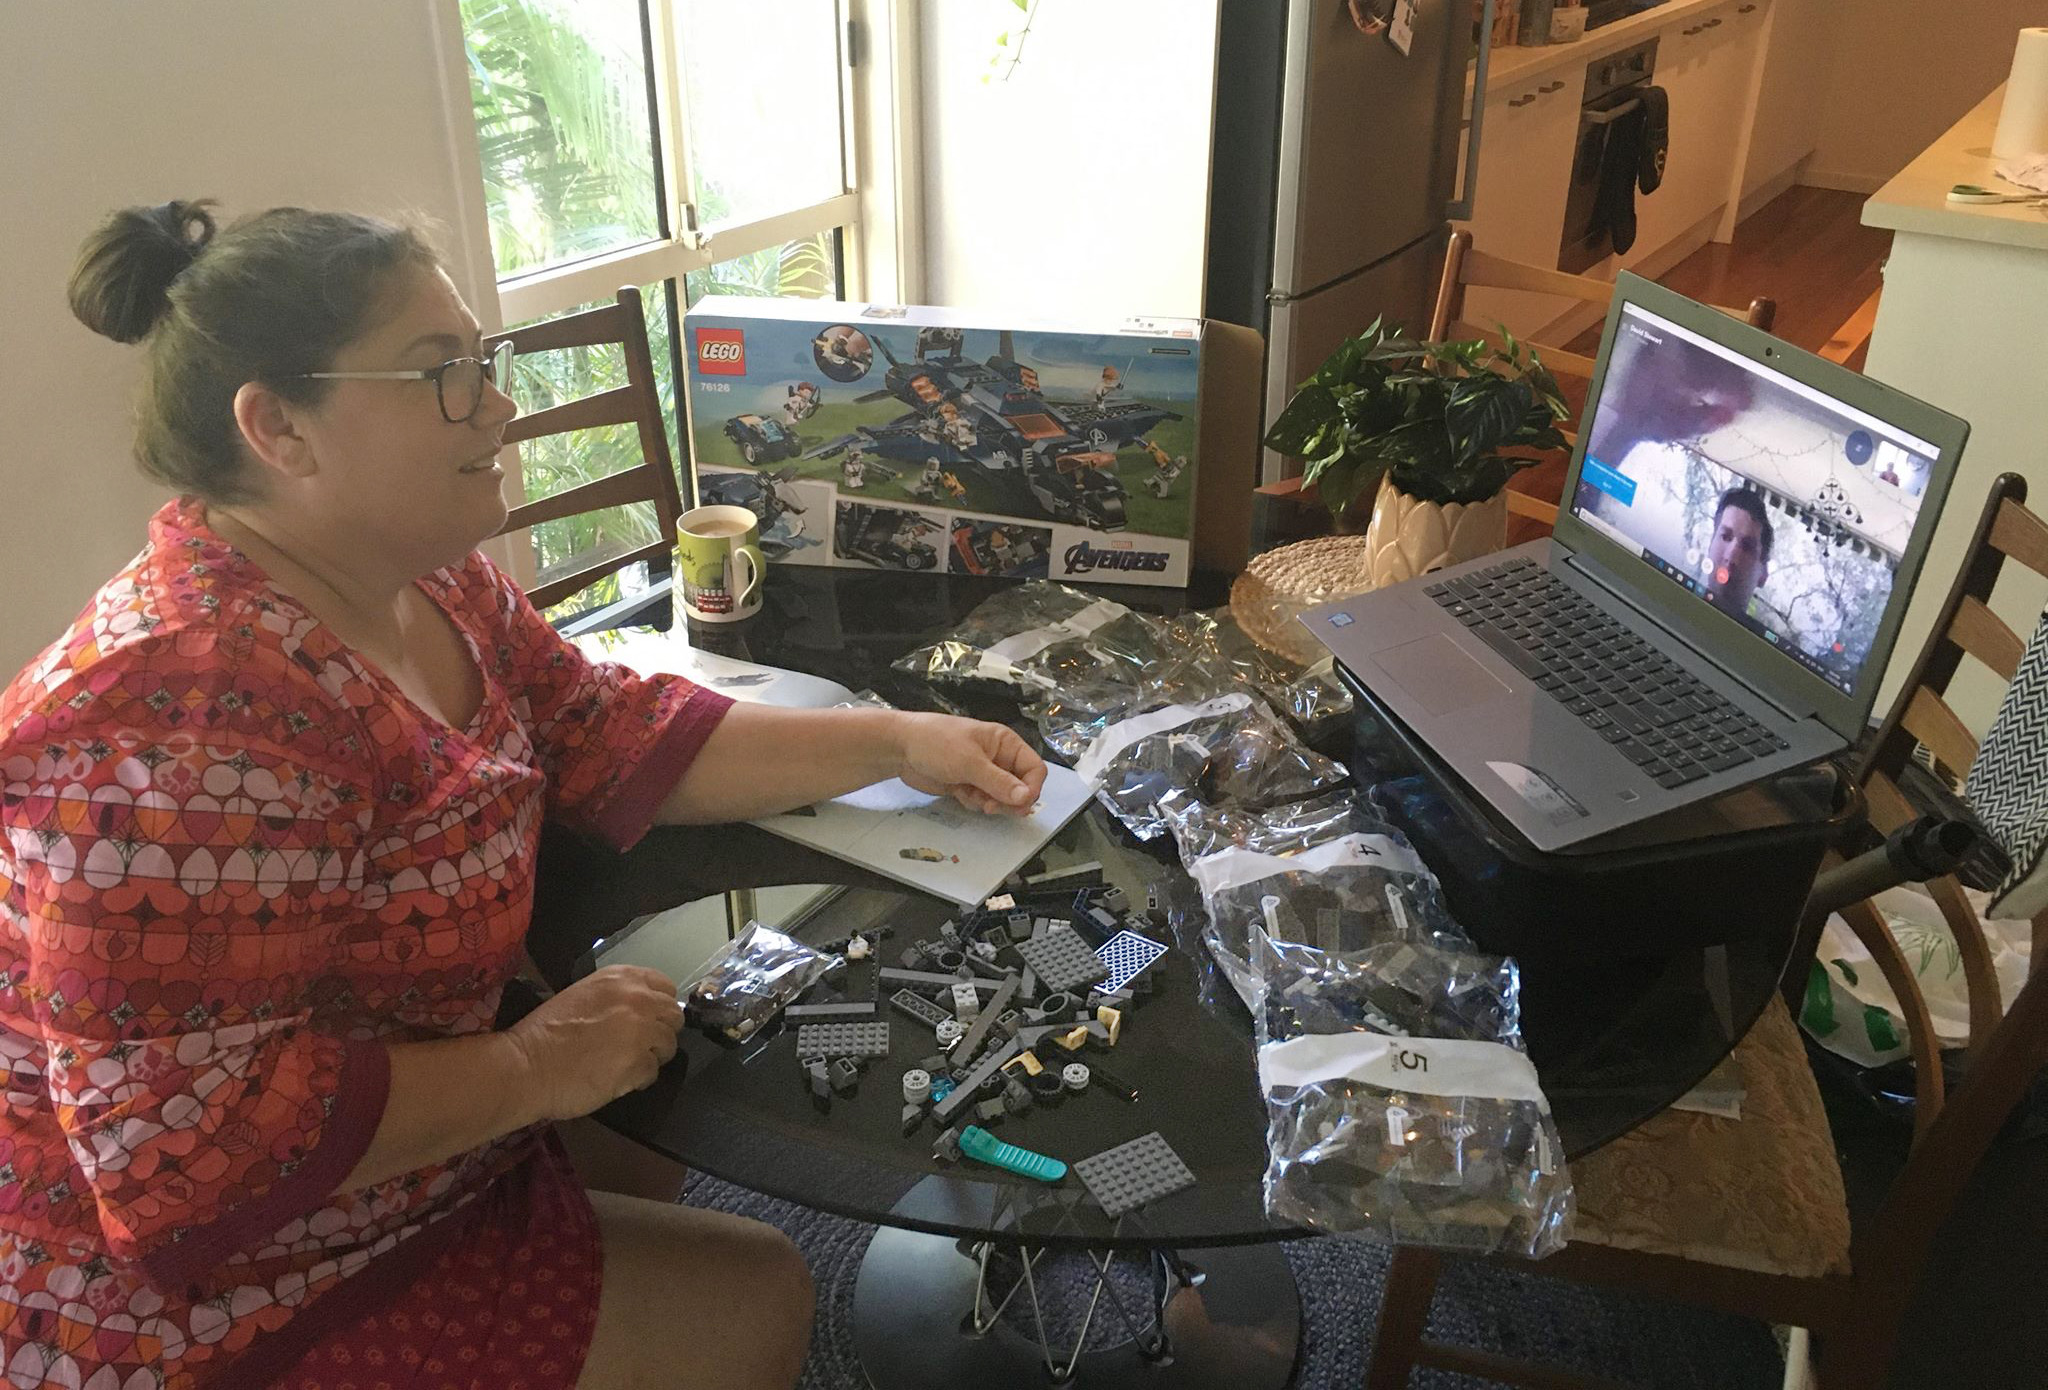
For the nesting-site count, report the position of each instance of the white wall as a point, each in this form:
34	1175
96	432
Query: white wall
1080	186
290	101
1900	73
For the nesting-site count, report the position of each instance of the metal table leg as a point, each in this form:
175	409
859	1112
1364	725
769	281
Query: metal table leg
929	1311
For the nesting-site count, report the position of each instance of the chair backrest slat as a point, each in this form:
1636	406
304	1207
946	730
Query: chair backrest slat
614	490
548	594
1984	635
618	406
1929	719
638	403
585	328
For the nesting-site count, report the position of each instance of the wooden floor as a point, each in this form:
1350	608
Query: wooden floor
1807	248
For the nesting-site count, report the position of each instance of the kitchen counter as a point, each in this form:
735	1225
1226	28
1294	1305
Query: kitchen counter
1511	66
1917	199
1959	326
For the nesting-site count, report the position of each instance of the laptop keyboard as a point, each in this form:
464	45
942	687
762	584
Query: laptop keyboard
1654	712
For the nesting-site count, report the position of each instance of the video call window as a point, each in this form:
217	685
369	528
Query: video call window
1784	509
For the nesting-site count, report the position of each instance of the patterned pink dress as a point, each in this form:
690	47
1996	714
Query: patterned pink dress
234	861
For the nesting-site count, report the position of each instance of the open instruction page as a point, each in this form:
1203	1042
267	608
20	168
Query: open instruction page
930	842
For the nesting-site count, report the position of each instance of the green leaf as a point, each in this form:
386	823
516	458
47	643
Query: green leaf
1021	4
1483	410
1002	40
1313	407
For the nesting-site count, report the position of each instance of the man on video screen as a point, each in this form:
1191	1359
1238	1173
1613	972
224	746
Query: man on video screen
1738	552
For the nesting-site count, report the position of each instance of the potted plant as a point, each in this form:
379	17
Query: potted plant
1432	431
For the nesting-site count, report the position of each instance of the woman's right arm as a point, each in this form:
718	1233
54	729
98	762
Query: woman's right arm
603	1036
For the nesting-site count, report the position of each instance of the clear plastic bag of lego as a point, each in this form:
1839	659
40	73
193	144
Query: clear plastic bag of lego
1228	751
1073	714
1309	694
1036	635
751	979
1348	881
1437	1135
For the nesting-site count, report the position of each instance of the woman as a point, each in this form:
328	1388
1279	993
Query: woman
270	810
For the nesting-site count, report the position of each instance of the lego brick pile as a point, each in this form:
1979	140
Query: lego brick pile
1007	1008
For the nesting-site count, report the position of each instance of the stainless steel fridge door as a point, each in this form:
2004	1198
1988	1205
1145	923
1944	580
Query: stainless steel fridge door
1402	287
1368	157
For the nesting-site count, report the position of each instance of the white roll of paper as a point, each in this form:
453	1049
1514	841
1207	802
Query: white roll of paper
2023	120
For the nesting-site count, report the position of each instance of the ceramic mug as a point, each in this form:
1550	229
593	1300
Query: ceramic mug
719	565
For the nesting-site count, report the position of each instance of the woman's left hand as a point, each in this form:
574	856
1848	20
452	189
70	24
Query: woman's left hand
983	766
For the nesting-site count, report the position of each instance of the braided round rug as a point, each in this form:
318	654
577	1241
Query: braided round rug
1489	1307
1281	583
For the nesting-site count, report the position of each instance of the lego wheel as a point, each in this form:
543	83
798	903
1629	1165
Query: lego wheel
1107	513
751	452
920	559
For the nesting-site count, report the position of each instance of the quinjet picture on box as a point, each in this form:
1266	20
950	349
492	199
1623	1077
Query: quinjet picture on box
1026	450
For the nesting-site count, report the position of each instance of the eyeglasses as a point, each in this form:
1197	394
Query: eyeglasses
459	384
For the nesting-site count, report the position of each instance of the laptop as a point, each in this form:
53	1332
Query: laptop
1741	528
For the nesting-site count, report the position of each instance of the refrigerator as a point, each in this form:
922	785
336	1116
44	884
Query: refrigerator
1335	170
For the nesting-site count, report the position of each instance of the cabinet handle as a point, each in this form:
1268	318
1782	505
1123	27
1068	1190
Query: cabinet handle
1745	9
1688	33
1523	100
1557	86
1711	24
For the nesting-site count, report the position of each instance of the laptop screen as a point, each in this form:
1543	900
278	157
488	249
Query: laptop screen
1783	508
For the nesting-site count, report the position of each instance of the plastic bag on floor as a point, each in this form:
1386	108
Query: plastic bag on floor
1228	751
1442	1139
1037	635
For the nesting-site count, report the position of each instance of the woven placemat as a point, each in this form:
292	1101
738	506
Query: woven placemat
1280	584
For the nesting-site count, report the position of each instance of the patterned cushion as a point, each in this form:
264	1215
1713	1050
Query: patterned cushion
1761	1193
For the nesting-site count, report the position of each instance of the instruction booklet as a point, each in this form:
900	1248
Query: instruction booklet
928	842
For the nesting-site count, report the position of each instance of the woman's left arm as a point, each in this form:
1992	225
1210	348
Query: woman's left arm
761	759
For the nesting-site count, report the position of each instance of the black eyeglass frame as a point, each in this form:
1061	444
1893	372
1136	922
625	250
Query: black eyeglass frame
496	368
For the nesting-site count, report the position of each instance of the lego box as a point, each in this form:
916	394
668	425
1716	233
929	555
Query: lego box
931	439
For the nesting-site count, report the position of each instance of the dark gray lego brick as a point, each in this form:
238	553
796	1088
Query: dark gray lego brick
1133	1174
843	1039
919	1008
1062	960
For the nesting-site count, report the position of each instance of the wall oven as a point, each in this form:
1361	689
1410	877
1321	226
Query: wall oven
1614	87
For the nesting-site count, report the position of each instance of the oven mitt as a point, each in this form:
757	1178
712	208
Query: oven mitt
1615	205
1656	138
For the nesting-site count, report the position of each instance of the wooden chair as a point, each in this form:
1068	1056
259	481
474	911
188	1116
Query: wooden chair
653	479
1748	1216
1466	267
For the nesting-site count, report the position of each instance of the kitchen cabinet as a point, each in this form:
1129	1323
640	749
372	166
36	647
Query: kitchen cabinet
1705	67
1525	160
1789	95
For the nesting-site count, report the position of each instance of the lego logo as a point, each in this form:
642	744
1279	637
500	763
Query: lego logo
721	352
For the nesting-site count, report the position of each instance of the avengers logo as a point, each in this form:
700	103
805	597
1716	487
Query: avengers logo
1083	557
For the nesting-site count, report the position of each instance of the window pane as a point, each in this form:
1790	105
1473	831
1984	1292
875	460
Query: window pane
560	91
808	268
761	83
556	463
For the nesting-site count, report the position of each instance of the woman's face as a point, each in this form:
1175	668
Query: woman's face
391	472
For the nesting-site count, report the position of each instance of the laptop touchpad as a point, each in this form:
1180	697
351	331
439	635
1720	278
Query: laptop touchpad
1436	672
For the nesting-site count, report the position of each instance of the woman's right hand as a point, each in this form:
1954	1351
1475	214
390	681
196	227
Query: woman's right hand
605	1035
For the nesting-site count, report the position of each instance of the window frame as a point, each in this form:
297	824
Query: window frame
879	216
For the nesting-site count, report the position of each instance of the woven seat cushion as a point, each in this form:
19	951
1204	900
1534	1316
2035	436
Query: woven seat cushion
1761	1193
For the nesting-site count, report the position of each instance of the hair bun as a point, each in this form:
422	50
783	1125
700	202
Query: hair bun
121	285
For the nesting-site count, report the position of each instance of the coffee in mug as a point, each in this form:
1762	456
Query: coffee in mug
719	564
